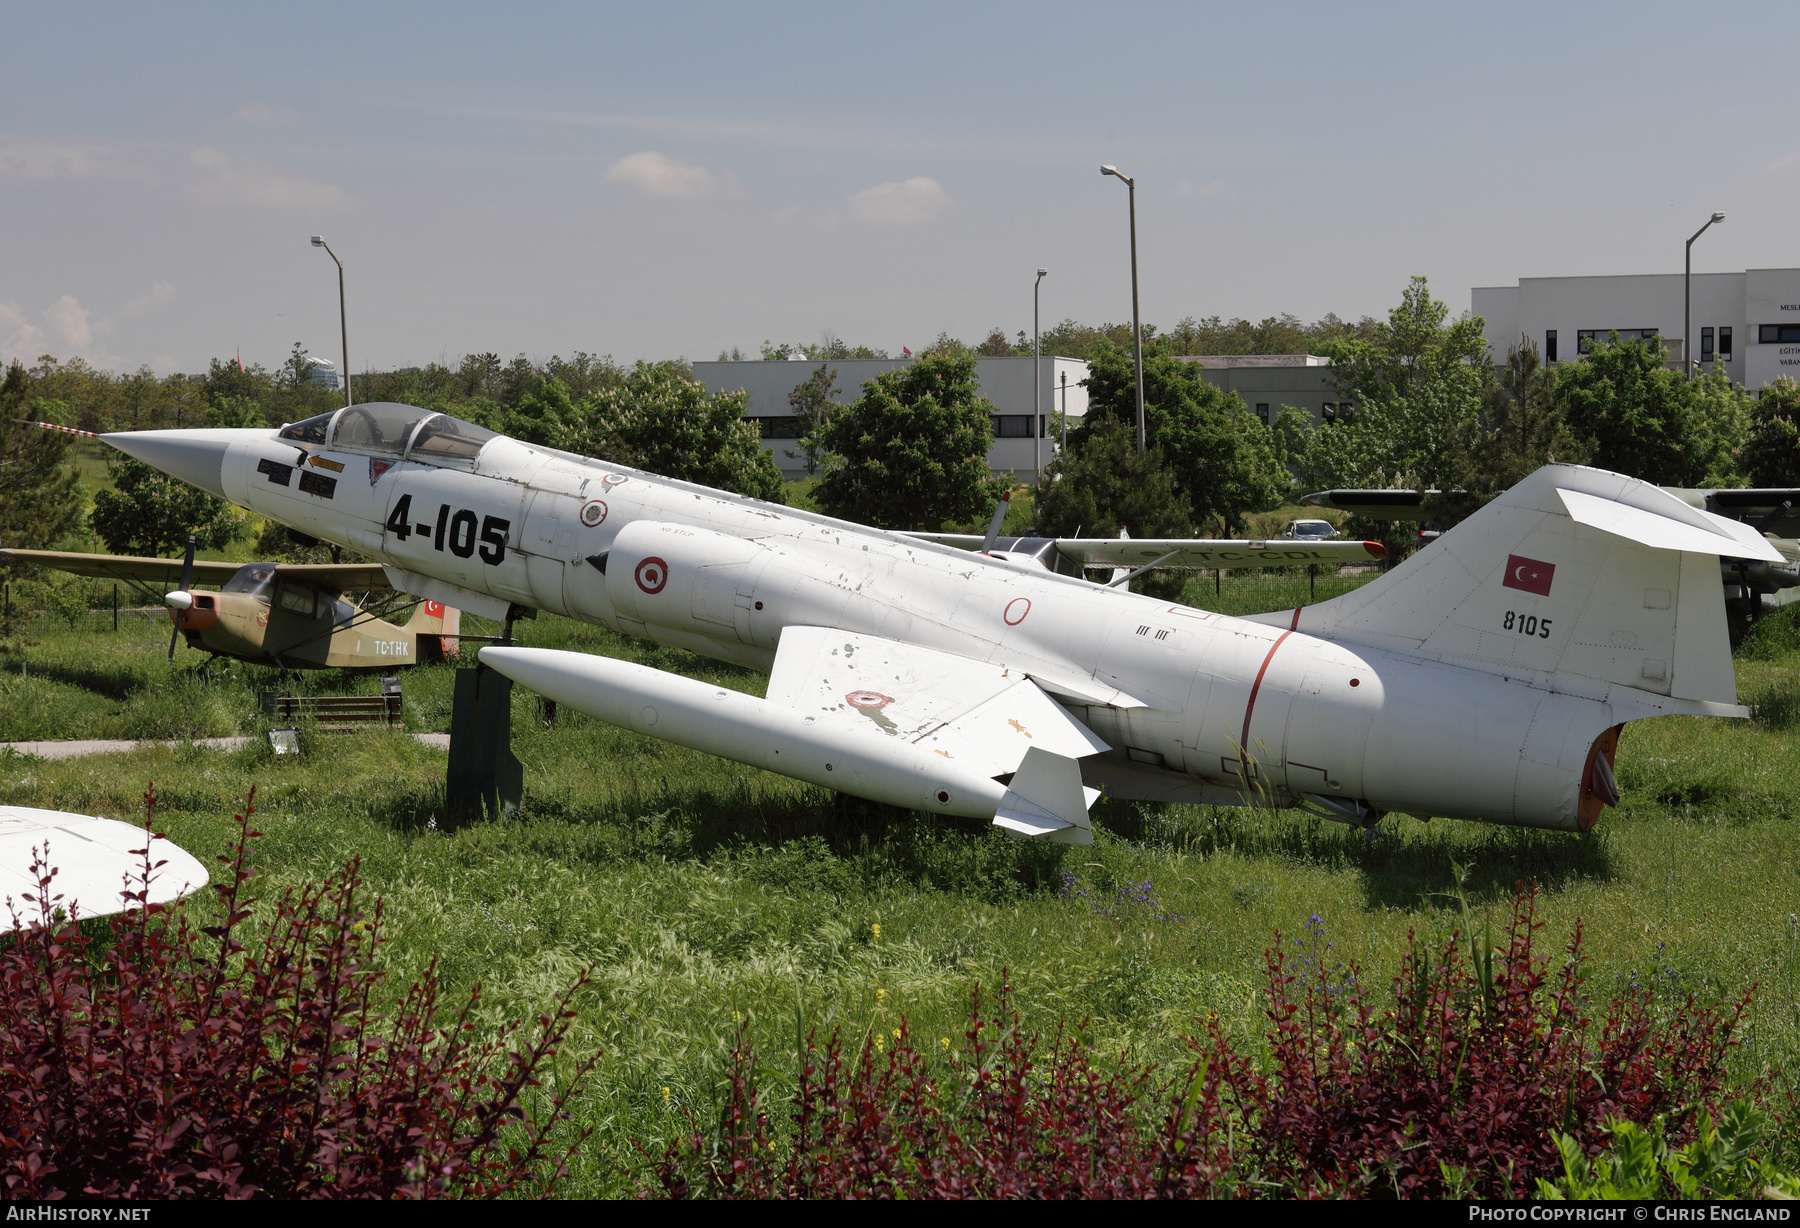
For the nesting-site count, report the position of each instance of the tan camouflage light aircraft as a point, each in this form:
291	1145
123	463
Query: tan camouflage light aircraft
284	614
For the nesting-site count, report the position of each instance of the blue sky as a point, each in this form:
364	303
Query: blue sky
671	180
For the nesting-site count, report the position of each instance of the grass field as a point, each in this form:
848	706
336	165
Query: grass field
702	892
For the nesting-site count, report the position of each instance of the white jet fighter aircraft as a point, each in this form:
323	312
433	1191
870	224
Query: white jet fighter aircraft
1485	678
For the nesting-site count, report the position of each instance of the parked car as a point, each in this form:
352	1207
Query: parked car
1309	530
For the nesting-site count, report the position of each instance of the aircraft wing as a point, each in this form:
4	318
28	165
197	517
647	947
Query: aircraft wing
337	577
1375	504
123	566
971	712
1179	552
93	858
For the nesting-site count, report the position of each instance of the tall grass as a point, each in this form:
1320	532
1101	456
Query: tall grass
705	893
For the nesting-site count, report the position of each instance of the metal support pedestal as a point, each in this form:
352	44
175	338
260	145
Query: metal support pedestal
484	779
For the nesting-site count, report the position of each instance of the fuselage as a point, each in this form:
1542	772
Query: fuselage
1222	707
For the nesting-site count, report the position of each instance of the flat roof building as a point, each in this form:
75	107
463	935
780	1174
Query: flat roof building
1005	382
1748	323
1266	382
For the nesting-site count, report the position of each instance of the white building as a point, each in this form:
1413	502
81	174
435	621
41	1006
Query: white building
324	372
1747	322
1005	382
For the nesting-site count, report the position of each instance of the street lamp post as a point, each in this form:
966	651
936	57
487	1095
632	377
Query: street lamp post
1065	433
1037	381
1137	331
1687	300
343	322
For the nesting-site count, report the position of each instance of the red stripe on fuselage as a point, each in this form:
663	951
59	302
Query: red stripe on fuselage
1295	625
1250	708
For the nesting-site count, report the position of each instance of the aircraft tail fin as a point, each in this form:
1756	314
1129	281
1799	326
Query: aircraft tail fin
1047	801
1573	572
436	624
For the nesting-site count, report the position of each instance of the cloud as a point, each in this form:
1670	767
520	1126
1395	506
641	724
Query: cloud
45	161
161	295
658	174
911	202
245	181
69	321
1217	188
1782	163
23	338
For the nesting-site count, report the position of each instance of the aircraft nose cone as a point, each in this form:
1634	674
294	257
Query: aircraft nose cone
193	456
178	600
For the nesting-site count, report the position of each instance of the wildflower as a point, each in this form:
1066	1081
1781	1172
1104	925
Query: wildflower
876	931
896	1033
880	1043
665	1096
880	996
944	1041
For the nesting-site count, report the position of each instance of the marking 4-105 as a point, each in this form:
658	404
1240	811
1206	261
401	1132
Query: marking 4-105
455	529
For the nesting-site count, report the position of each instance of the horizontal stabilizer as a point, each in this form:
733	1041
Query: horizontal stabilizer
1723	537
1047	801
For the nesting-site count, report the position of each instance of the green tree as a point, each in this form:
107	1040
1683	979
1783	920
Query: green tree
152	513
1639	417
1771	454
1520	428
1416	384
911	452
235	412
542	414
658	418
1223	460
814	409
1102	484
39	501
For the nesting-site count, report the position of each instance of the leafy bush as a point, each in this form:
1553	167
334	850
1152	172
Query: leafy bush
1479	1075
1720	1162
140	1058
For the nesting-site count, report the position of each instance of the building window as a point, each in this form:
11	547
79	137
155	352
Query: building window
1549	345
1262	411
785	427
1586	338
1772	334
1725	342
1329	411
1012	426
1706	345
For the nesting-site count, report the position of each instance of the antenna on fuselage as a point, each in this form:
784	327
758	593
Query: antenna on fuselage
993	533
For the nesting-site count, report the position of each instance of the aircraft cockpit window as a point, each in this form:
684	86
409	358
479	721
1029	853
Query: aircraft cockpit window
449	438
380	426
299	600
253	578
312	430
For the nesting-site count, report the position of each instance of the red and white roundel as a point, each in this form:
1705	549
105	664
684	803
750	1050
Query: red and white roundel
868	699
1016	610
434	609
593	513
613	479
651	575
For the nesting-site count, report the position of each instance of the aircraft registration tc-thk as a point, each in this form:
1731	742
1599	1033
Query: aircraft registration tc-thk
1485	678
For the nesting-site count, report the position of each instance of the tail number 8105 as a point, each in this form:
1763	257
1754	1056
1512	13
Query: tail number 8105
1528	624
455	529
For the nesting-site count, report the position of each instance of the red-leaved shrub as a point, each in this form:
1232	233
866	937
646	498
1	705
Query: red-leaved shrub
155	1061
1000	1120
1451	1085
1454	1082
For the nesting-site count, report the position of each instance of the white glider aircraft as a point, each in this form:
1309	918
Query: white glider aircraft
1485	678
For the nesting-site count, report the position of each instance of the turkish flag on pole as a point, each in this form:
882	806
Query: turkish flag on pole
906	351
1529	575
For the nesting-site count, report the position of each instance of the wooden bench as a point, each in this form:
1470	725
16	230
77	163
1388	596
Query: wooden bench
339	711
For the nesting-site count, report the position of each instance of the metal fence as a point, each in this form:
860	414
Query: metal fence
1262	590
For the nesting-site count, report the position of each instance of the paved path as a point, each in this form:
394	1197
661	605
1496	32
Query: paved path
76	750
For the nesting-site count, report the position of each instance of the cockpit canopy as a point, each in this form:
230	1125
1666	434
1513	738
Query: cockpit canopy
387	428
252	578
